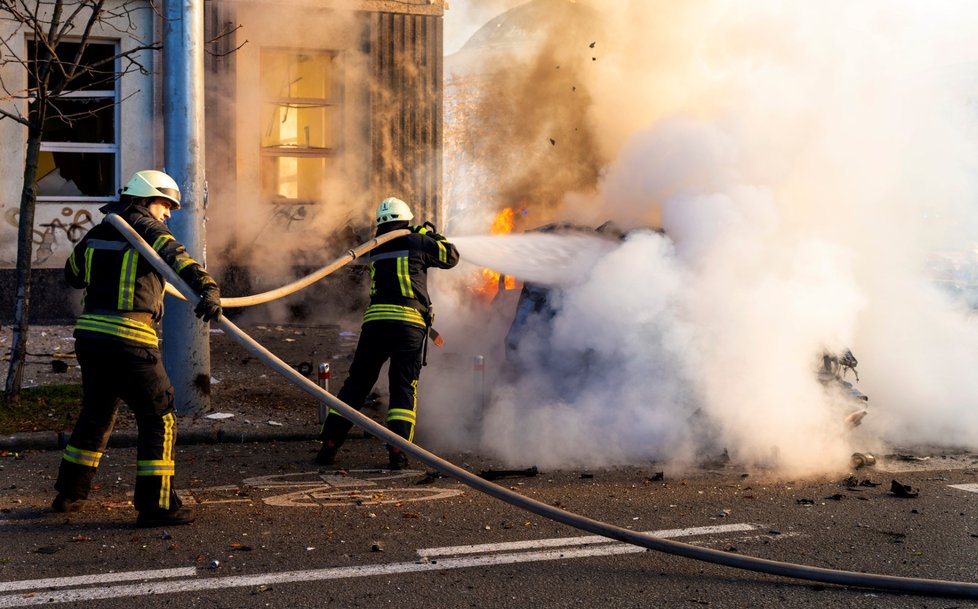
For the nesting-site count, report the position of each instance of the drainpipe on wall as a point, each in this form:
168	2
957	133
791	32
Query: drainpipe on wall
186	340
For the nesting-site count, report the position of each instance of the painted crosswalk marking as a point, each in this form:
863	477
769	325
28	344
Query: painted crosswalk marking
561	542
971	488
36	592
105	578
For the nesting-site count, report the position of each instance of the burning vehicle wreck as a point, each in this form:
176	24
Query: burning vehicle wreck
528	341
554	351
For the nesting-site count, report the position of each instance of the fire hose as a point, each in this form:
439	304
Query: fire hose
911	585
295	286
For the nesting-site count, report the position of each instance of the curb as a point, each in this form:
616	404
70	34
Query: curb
57	440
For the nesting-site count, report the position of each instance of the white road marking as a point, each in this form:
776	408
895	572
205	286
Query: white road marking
971	488
81	580
331	497
216	501
929	463
576	541
216	583
332	478
326	489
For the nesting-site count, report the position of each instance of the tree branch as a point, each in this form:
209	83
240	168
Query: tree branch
15	117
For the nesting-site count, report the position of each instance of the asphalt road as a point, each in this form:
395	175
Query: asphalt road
273	530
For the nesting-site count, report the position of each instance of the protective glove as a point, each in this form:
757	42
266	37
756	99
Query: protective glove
427	229
158	313
209	306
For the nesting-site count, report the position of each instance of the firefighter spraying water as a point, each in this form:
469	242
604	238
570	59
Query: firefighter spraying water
396	327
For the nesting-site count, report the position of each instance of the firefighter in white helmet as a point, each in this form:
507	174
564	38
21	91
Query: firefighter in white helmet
395	327
118	349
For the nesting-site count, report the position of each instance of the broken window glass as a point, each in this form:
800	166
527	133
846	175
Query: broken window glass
299	118
79	147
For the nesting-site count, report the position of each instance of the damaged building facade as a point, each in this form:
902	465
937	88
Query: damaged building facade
314	111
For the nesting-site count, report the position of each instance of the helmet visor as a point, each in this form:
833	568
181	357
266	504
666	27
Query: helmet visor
173	193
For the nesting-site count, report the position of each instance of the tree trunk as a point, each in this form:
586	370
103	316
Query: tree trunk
25	255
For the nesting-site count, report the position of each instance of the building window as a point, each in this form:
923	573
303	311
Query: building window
299	123
79	158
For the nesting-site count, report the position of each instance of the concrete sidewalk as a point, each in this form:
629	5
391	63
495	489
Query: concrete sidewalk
56	440
258	405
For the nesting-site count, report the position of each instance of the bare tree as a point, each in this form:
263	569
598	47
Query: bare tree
57	34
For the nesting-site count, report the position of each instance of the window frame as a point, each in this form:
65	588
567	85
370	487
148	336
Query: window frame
114	148
333	106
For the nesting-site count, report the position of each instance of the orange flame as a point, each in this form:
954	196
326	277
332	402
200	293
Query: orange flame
491	281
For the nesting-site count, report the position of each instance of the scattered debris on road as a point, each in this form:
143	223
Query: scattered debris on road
429	477
496	474
903	490
859	460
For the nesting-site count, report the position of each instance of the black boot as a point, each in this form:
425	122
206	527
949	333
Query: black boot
396	458
327	454
64	504
165	518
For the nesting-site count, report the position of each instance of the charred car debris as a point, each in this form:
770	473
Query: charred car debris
832	376
528	344
536	309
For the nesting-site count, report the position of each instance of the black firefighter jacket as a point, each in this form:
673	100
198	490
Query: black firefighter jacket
399	275
123	296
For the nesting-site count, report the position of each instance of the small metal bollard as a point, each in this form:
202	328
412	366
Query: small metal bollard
324	383
479	374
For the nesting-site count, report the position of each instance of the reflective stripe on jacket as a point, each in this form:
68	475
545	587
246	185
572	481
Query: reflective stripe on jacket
123	293
399	275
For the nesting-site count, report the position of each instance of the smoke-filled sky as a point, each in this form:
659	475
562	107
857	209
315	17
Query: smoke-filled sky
462	19
806	161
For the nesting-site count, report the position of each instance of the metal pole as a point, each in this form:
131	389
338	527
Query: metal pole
324	384
186	346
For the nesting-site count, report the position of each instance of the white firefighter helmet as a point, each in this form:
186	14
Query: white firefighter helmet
150	183
392	209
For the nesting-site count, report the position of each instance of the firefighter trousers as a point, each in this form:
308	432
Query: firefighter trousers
114	371
402	344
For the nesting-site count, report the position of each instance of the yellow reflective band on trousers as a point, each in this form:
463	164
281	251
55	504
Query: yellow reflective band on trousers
117	325
389	312
127	279
404	277
154	467
403	414
88	458
163	467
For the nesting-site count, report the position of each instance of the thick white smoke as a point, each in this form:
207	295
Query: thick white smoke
462	19
804	159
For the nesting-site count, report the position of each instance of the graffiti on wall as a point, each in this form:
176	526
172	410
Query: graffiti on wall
54	238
